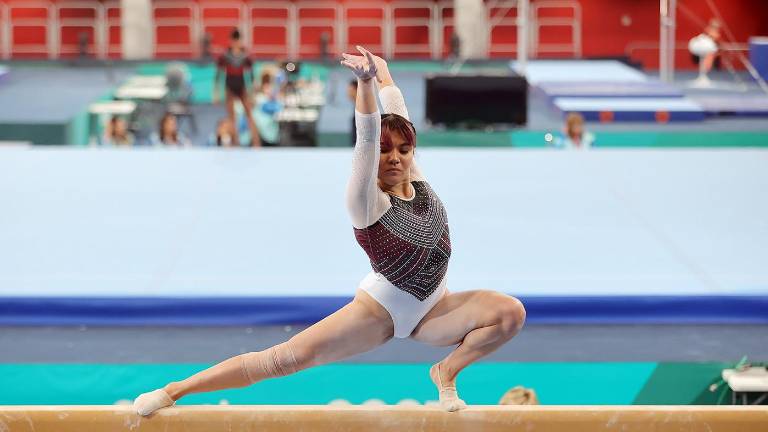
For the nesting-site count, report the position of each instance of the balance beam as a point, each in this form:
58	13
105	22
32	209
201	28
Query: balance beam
262	418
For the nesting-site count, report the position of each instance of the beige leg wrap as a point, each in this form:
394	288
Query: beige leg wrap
273	362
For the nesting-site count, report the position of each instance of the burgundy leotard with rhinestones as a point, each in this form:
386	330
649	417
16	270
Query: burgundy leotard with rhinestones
410	245
406	240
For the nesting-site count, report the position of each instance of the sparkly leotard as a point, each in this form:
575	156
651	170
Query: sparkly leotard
406	239
409	245
235	66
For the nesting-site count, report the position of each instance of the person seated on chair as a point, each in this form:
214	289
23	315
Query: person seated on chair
225	134
168	133
117	133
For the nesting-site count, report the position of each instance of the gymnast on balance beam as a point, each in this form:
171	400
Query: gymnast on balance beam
401	224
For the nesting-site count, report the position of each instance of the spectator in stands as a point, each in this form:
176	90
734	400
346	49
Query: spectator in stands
178	100
519	395
235	63
352	94
574	135
225	134
168	133
117	134
268	102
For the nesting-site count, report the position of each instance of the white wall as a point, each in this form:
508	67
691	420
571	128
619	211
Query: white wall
273	222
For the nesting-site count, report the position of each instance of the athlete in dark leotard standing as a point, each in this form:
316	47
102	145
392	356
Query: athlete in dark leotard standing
235	63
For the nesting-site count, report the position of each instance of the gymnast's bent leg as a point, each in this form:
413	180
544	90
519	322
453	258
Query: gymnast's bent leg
229	102
359	326
248	113
479	321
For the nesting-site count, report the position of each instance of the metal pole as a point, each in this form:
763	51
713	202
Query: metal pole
672	23
663	11
293	32
667	40
522	36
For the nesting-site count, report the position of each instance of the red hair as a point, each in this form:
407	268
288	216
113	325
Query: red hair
393	123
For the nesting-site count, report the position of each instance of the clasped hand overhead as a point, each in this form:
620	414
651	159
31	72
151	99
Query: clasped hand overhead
364	67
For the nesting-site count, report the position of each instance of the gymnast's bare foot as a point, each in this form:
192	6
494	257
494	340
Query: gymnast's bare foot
449	398
147	403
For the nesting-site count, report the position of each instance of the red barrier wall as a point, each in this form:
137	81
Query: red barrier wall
604	34
609	28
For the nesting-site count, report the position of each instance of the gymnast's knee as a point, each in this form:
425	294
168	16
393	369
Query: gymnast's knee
511	316
273	362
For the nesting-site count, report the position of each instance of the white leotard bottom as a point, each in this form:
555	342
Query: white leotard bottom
406	310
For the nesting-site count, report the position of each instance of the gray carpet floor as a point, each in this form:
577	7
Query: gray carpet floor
536	343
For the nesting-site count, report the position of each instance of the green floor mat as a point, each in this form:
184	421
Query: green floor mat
484	383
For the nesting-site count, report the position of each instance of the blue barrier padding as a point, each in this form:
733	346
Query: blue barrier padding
306	310
645	116
632	109
758	55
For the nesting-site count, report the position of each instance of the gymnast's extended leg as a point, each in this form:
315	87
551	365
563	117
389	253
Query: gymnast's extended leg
479	321
359	326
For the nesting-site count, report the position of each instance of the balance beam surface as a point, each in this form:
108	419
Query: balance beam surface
386	418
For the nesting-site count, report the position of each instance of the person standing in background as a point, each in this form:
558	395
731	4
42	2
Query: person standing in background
235	62
705	51
268	103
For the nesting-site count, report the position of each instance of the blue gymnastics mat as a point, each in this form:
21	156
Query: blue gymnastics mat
229	311
632	109
618	89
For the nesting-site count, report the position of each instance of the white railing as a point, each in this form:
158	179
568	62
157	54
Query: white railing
433	18
573	21
334	22
257	25
207	23
5	47
498	15
48	23
379	21
430	21
112	22
191	24
94	22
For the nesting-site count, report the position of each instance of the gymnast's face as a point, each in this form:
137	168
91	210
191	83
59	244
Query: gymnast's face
396	160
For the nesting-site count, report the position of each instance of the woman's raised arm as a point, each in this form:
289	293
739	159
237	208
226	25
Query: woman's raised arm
365	201
392	101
